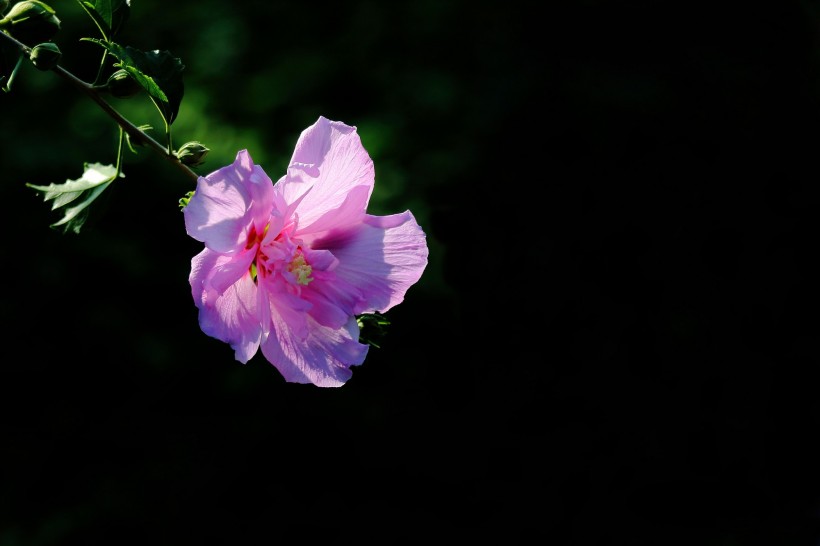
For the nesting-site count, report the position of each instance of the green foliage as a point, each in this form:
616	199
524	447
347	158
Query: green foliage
108	15
158	72
83	191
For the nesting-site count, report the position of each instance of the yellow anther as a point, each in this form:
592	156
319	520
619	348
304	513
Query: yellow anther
301	269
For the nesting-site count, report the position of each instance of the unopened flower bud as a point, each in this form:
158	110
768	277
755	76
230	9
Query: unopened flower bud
45	56
192	153
31	22
122	85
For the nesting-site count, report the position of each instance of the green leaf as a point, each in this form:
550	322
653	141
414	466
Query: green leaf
96	178
158	72
108	15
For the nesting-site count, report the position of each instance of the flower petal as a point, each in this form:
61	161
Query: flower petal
227	203
326	309
231	317
229	271
290	308
324	358
320	260
330	159
350	212
379	260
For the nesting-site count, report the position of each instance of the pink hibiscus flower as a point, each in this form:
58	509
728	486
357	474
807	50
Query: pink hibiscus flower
288	266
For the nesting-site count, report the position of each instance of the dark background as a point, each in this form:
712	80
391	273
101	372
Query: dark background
614	341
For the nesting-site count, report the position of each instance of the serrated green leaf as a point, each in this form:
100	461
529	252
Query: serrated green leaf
94	174
95	179
158	72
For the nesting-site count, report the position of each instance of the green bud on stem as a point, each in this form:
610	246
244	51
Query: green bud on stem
192	153
31	22
45	56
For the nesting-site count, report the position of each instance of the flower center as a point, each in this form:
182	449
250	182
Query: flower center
300	269
281	255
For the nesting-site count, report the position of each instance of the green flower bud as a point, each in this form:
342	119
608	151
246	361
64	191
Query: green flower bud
31	22
121	85
45	56
192	153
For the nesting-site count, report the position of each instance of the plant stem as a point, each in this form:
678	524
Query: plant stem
136	134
